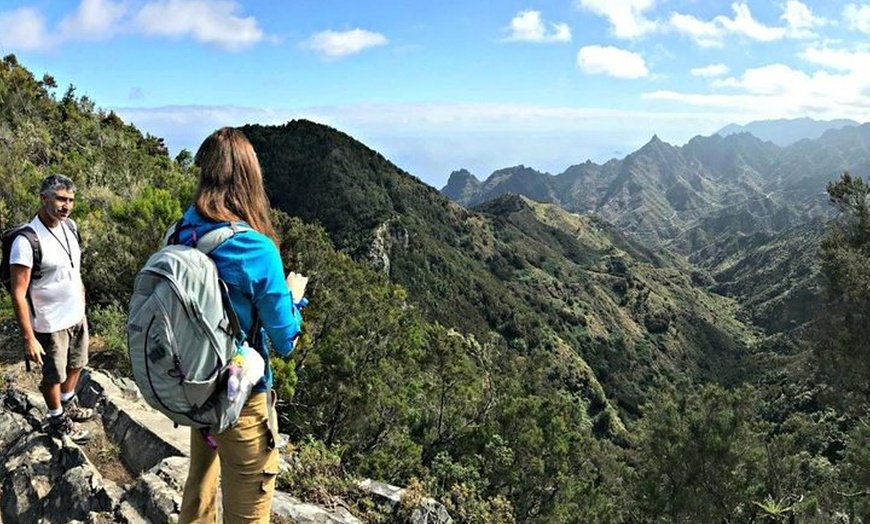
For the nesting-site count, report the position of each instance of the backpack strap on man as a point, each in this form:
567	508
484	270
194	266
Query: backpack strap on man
73	228
30	234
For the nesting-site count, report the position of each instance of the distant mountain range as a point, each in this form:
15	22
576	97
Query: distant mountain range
661	193
720	201
784	132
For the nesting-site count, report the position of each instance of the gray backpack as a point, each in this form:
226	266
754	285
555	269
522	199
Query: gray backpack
182	334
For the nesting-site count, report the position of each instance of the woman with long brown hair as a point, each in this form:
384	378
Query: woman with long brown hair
231	191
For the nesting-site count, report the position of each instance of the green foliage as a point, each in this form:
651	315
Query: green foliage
358	345
842	331
315	471
698	456
775	510
108	324
284	377
520	361
855	494
145	218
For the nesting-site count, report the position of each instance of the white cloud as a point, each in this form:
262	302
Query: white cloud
705	34
839	59
773	79
744	24
24	29
800	20
611	61
778	90
857	17
214	22
711	70
336	44
625	16
93	20
528	26
209	22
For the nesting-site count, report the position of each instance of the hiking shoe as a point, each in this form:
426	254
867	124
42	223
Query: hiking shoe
62	425
76	413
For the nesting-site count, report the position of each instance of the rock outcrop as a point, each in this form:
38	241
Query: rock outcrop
52	480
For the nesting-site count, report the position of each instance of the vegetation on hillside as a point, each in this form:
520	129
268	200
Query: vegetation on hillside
518	363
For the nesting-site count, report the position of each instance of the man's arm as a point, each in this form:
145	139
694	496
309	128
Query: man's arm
20	279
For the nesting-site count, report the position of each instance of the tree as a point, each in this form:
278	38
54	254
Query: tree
697	456
842	330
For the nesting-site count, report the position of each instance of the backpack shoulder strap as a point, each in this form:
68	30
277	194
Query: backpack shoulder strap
211	240
74	228
208	243
30	234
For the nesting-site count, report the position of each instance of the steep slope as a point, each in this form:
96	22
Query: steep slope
536	275
628	311
372	209
775	277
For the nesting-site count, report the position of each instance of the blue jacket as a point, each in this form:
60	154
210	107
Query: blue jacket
251	266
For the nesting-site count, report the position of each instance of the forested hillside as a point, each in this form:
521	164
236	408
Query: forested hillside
537	276
517	362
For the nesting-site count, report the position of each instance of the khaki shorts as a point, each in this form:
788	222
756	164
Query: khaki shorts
64	349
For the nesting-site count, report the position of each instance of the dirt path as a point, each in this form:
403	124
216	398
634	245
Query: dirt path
102	452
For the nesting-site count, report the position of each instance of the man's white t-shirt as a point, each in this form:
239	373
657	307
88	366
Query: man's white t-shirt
57	299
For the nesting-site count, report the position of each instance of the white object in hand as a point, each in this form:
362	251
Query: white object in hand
296	283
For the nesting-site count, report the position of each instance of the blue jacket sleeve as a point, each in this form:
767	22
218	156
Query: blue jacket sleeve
252	267
275	305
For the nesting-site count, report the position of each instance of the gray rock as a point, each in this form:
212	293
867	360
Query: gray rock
429	511
50	480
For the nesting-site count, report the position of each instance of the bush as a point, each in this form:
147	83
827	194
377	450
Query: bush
108	330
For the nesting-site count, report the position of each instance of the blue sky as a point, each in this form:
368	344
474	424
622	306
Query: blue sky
438	86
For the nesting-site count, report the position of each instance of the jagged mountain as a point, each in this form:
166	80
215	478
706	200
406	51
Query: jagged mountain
539	276
786	131
662	193
656	193
461	184
719	201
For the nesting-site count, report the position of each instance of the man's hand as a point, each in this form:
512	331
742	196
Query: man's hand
34	350
296	284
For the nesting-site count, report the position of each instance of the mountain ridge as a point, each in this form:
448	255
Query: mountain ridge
504	268
787	131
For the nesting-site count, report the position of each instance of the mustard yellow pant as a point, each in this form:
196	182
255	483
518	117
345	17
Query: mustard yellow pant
247	469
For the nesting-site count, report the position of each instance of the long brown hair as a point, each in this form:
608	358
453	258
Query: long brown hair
231	182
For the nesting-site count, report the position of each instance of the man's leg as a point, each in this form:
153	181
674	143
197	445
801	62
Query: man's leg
54	365
77	358
68	387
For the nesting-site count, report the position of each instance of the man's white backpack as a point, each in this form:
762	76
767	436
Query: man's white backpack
182	334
